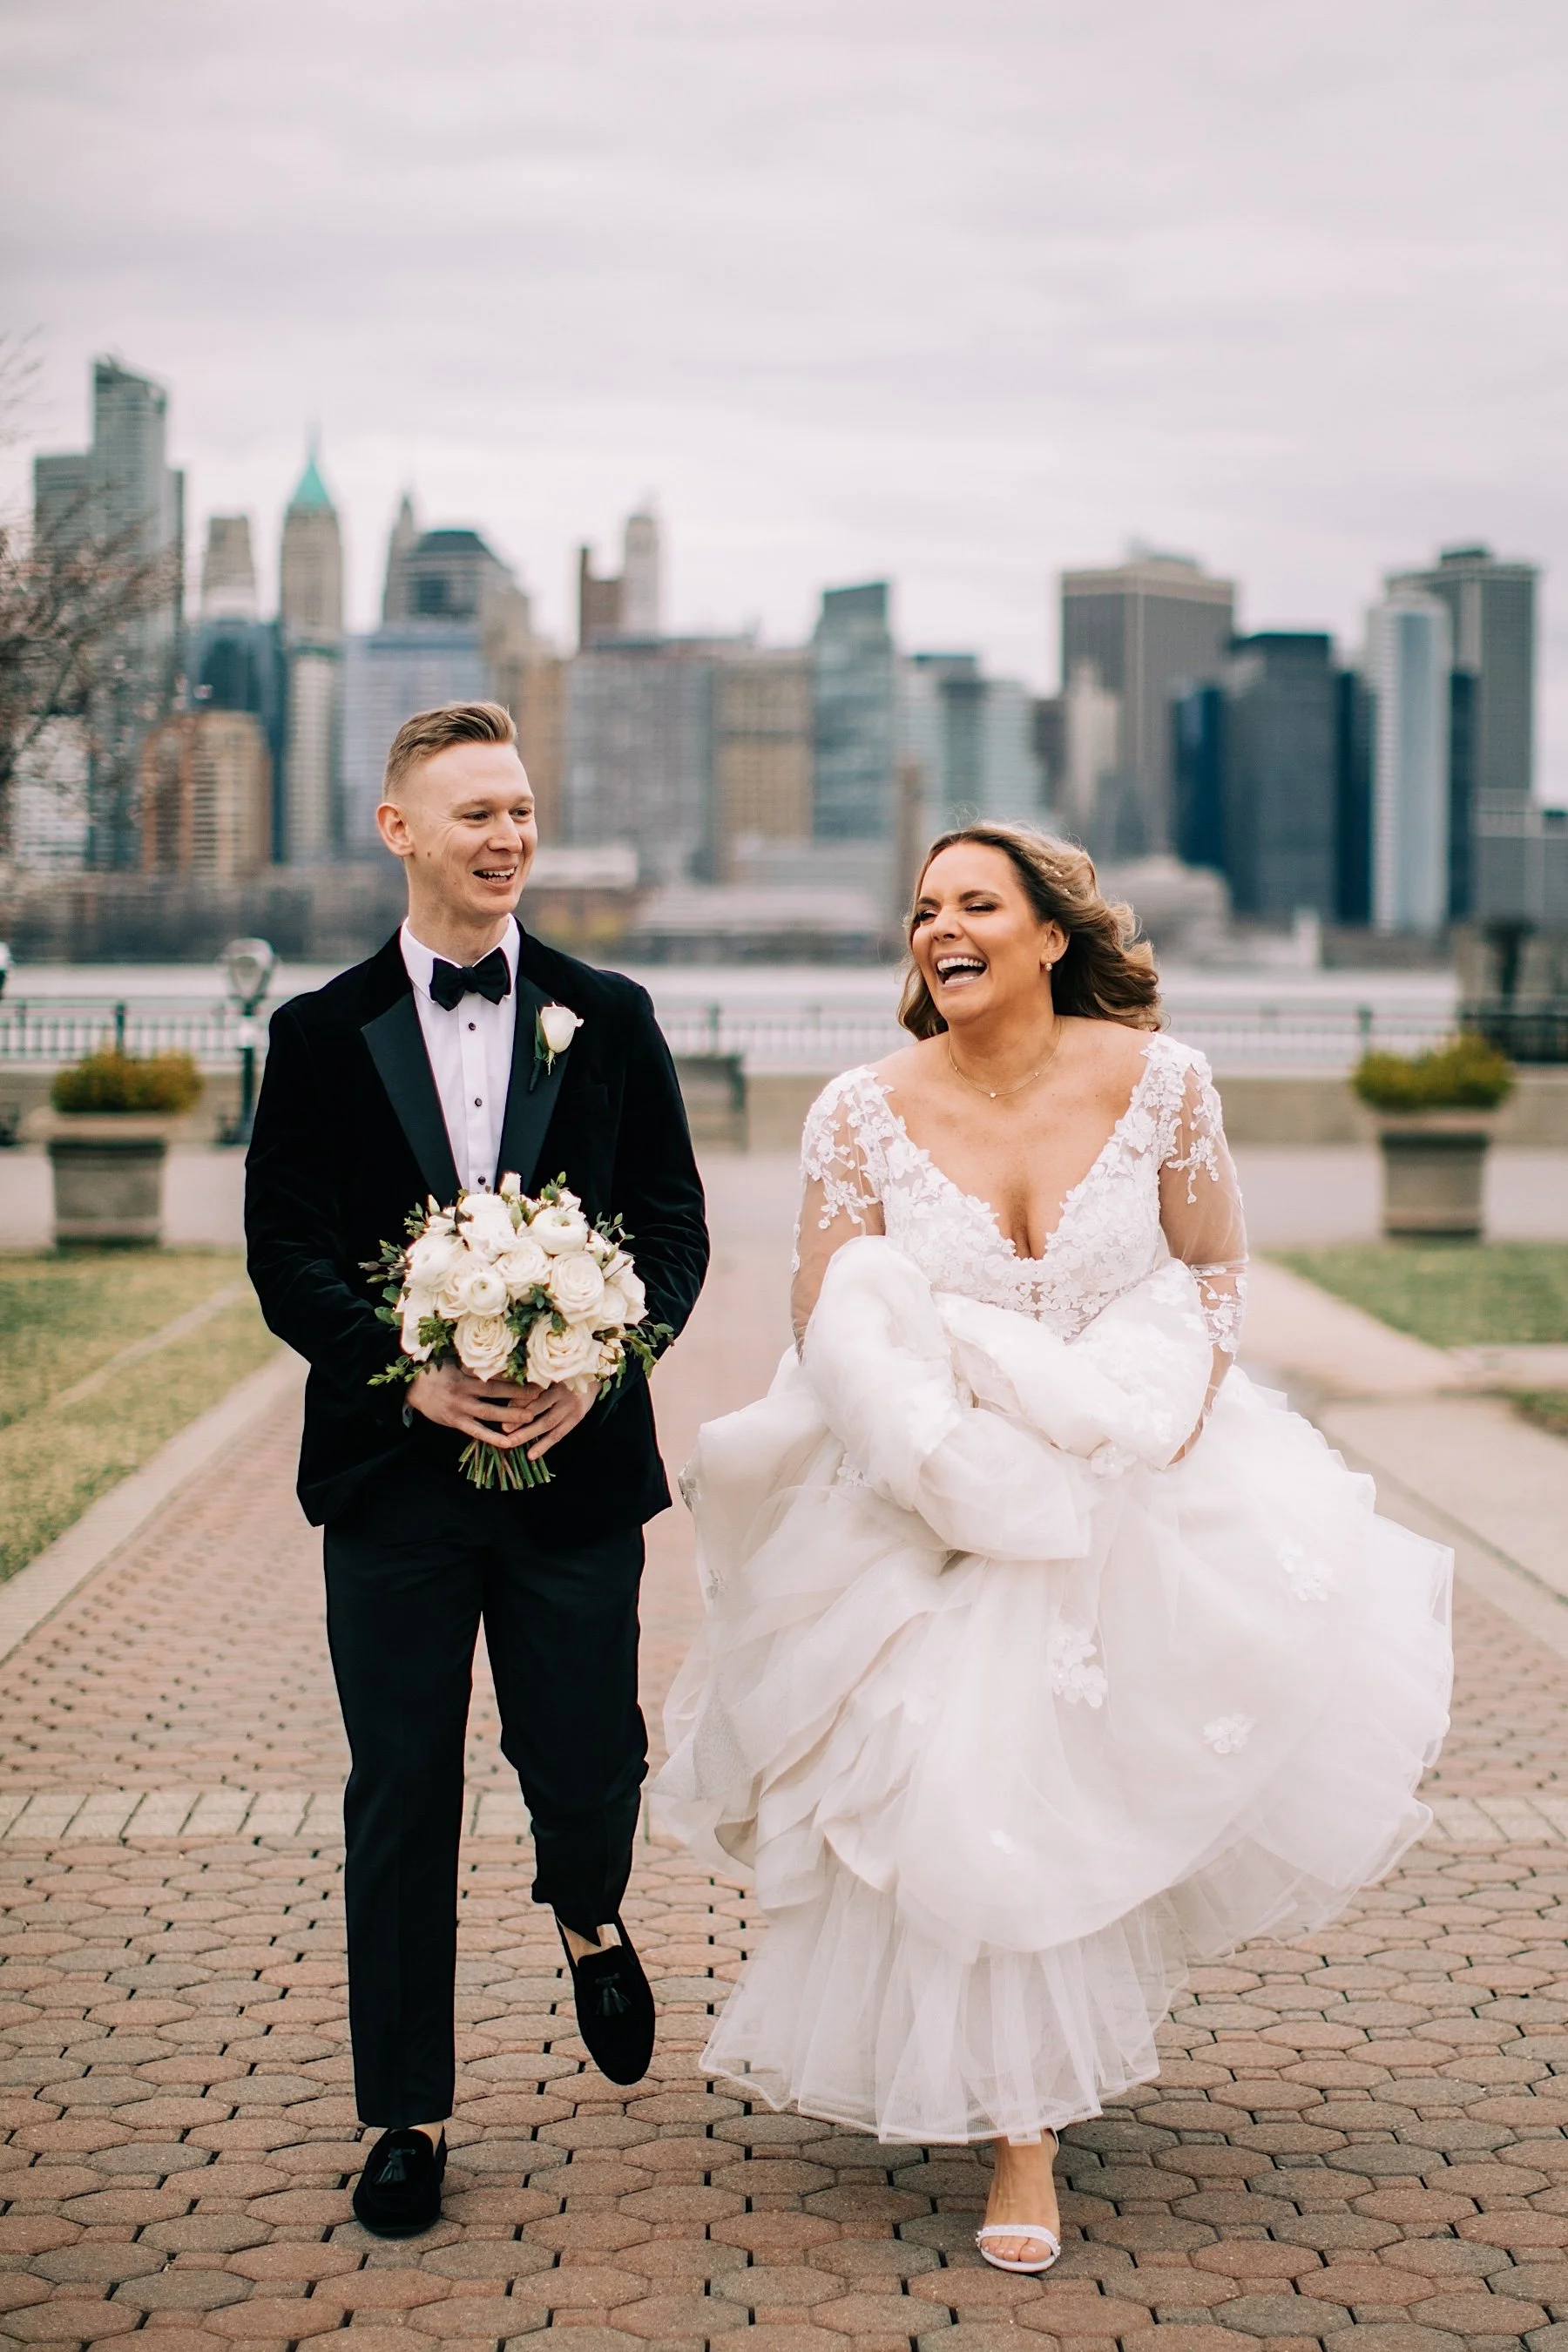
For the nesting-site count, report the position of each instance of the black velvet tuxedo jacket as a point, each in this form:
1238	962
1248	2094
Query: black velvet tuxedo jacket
350	1136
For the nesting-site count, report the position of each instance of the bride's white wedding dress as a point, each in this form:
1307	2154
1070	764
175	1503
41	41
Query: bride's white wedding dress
1010	1719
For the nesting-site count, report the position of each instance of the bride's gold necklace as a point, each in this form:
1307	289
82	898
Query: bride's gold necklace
1000	1094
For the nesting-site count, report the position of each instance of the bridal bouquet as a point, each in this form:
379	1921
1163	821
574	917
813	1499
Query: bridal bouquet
519	1289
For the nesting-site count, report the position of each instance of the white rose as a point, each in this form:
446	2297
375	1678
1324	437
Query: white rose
604	1249
568	1357
562	1229
524	1266
416	1304
624	1294
558	1025
576	1285
488	1228
433	1256
485	1343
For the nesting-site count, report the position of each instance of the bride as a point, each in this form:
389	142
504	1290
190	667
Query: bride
1043	1651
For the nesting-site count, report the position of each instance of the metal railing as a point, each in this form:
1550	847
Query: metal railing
55	1029
1309	1039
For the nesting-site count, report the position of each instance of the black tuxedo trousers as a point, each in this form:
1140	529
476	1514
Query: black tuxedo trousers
413	1572
349	1139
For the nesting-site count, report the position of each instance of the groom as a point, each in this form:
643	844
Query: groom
425	1071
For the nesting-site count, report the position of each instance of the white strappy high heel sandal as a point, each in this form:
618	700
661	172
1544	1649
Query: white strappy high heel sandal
1036	2230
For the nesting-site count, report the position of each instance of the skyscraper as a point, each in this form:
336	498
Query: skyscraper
207	795
854	716
234	660
642	580
310	614
761	754
1409	645
639	754
973	737
1355	722
631	602
123	494
455	628
1198	777
1151	627
1279	772
1492	616
229	572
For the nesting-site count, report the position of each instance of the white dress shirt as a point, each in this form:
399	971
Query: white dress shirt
470	1056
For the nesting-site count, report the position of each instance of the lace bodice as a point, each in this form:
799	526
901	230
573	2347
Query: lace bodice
1163	1184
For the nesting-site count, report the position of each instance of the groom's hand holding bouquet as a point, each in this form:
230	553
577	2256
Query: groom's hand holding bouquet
514	1314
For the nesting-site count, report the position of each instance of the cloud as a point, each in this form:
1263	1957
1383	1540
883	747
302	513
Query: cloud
953	294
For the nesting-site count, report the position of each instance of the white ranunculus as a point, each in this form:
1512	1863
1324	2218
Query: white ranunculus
568	1357
433	1256
417	1303
576	1285
479	1289
560	1229
524	1266
488	1228
558	1025
484	1344
623	1290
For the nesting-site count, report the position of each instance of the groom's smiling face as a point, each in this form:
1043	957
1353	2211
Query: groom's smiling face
463	824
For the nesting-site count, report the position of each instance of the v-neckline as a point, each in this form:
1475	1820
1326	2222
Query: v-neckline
975	1200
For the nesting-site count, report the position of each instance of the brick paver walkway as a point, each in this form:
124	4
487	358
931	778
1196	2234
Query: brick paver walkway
1359	2131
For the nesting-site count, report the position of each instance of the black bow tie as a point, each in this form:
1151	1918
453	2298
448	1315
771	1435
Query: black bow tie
491	977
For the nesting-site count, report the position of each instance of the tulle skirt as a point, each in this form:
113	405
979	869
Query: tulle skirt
995	1807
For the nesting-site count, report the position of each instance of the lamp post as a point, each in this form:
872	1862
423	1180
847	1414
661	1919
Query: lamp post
247	965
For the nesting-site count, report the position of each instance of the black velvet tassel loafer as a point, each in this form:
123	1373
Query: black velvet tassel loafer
399	2192
615	2008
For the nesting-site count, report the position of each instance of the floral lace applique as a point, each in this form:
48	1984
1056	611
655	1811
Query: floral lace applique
1069	1654
1223	1291
1307	1578
1226	1733
864	1163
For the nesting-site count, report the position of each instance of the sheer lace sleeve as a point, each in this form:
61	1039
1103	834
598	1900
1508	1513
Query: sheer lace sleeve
1200	1210
839	1194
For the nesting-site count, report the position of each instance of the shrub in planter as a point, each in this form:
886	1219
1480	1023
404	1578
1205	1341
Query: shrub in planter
160	1084
108	1152
1435	1124
1465	1074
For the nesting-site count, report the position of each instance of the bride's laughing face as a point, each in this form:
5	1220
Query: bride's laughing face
979	944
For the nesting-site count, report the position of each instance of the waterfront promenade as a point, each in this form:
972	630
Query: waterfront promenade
1357	2137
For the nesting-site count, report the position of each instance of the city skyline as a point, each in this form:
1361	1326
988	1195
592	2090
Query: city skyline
964	309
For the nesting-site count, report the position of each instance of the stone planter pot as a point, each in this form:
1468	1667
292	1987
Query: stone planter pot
108	1179
1433	1172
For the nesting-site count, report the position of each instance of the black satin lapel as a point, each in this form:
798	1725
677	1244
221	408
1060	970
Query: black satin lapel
397	1048
528	1110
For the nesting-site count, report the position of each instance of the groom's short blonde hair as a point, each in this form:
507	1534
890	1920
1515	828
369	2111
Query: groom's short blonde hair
428	731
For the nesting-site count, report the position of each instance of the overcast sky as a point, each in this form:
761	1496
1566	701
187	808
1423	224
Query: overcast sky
956	292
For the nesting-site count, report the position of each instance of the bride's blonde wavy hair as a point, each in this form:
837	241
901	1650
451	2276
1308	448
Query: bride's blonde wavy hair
1105	973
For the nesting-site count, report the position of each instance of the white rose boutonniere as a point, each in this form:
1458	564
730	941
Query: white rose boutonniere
552	1032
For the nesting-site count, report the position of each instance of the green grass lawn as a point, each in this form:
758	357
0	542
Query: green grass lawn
62	1318
1547	1408
1451	1294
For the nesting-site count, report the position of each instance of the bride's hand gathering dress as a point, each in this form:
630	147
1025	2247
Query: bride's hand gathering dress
1010	1718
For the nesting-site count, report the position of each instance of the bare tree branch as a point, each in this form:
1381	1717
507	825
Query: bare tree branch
70	595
